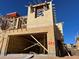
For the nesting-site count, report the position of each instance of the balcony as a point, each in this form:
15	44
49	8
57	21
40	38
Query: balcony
13	24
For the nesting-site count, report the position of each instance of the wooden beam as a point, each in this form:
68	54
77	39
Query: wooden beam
39	43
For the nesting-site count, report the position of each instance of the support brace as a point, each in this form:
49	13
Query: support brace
31	46
39	43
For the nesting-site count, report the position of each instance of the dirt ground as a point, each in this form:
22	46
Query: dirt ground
51	57
74	57
36	57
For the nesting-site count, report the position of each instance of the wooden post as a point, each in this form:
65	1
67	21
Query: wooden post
17	23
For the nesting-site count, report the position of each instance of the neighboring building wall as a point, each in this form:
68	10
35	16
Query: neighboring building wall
13	14
77	43
59	39
60	26
58	33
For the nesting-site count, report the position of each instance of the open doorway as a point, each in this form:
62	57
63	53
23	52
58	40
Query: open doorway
25	44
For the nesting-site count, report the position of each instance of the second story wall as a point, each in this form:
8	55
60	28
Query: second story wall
40	15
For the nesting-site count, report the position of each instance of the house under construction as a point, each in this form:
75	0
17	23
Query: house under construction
36	32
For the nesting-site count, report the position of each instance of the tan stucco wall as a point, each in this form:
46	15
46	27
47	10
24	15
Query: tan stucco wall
45	20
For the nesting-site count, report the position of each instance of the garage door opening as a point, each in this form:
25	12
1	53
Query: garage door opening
25	44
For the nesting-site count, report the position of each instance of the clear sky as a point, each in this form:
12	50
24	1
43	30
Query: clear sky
67	11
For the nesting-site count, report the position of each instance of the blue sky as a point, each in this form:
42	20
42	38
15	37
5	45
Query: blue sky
67	11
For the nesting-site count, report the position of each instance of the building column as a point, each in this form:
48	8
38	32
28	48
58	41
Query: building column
5	45
1	42
51	41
